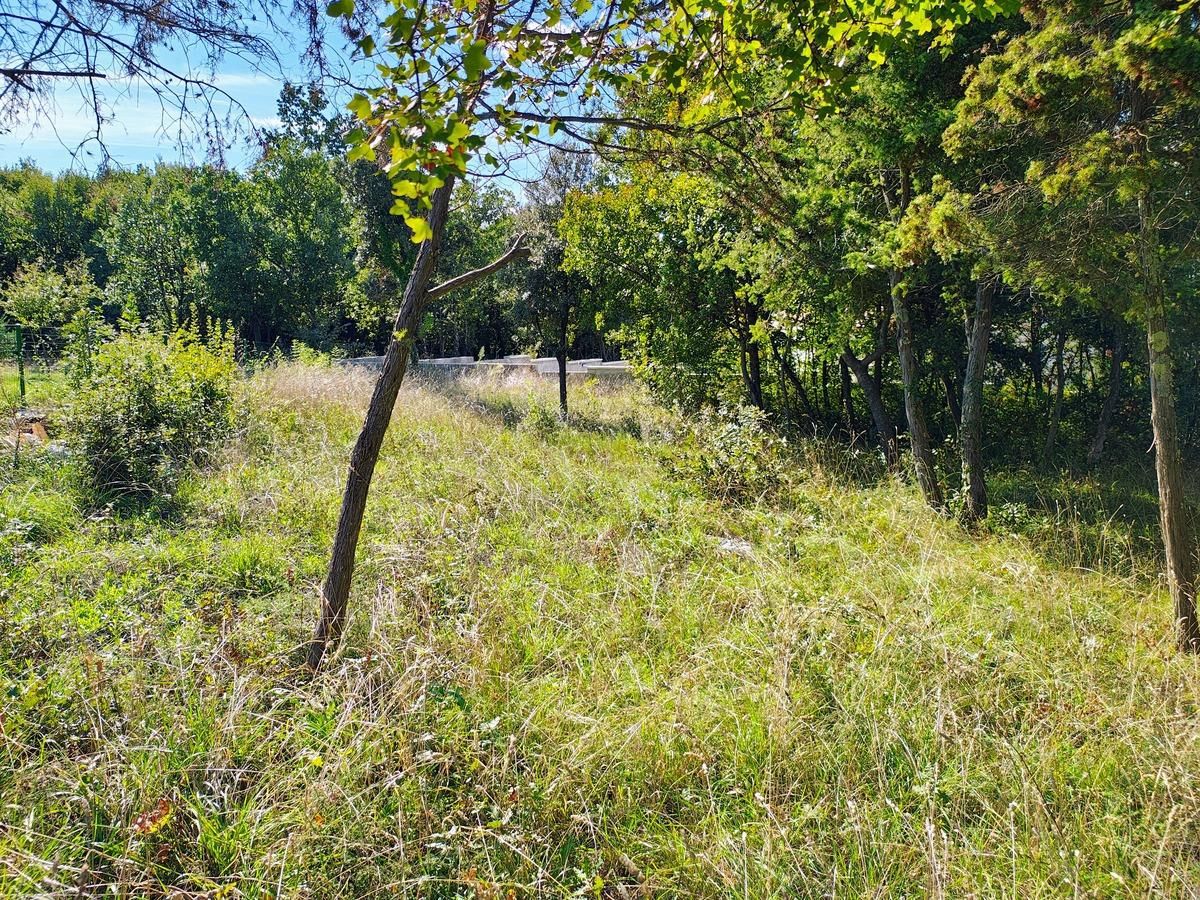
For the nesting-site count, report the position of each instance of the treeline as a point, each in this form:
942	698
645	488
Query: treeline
970	237
301	247
990	242
965	239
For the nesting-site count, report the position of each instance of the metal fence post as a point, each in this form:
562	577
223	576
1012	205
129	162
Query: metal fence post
21	364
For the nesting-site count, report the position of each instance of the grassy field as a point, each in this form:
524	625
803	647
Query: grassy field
41	386
576	668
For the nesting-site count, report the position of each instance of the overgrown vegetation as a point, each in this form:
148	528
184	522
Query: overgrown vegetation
575	671
867	587
146	407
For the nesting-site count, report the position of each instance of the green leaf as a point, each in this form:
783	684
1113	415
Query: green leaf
340	8
360	105
475	61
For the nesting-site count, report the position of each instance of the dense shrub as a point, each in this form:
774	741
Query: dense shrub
151	406
85	335
733	452
38	296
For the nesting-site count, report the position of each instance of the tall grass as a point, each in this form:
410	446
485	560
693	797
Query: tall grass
572	670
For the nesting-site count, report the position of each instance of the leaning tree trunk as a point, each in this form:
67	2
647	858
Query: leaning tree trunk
885	431
793	377
335	592
1110	400
975	500
918	431
1168	462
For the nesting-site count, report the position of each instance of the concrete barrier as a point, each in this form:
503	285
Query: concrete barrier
363	362
543	365
617	369
574	367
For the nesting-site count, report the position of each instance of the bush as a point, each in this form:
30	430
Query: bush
41	297
85	334
733	453
540	419
150	408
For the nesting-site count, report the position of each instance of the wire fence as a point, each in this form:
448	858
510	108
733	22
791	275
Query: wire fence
26	352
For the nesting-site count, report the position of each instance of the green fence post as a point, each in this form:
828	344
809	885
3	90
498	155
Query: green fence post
21	365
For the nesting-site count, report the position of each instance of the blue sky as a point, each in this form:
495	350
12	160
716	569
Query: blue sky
140	128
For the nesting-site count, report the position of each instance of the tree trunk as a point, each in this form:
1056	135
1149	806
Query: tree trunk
1036	363
1096	451
847	401
885	431
755	366
748	357
952	401
918	432
975	500
1168	462
793	376
335	591
562	367
1060	384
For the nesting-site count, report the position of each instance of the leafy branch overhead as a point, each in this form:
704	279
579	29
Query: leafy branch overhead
467	83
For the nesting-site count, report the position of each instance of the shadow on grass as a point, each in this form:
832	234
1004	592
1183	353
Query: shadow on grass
1106	521
517	401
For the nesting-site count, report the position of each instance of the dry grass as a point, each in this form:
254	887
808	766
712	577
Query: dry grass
572	671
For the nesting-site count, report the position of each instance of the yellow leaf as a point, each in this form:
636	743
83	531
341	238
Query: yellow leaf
421	231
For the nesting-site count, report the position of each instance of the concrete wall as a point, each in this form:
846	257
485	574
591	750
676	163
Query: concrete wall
543	365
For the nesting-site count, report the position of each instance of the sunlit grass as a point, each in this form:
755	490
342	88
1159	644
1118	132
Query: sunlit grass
42	386
571	670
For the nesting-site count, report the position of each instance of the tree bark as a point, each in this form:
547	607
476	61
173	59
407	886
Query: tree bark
335	592
885	430
1111	399
975	499
1168	462
918	431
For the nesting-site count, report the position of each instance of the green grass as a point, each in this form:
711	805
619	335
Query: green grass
42	386
573	670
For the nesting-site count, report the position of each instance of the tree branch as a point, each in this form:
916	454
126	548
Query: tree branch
47	73
515	252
